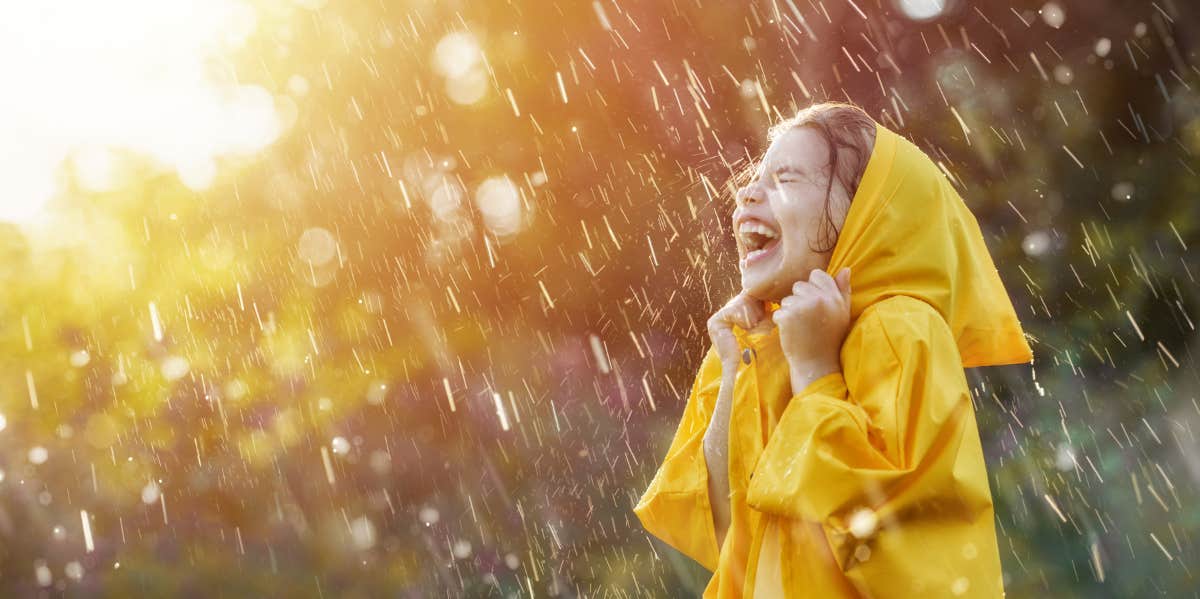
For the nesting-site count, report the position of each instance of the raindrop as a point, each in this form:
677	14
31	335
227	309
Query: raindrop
469	88
317	246
236	389
456	54
1122	191
960	586
1064	457
863	523
74	570
174	368
429	515
362	530
377	392
445	197
1036	243
150	493
1053	14
1063	74
922	10
380	461
747	89
42	572
499	202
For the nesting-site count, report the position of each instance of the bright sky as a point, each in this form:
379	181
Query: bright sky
82	78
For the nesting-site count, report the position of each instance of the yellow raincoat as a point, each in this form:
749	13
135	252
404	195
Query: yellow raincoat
871	482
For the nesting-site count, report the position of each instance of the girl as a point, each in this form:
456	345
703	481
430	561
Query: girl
829	447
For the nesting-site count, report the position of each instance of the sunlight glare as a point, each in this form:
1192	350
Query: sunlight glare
148	77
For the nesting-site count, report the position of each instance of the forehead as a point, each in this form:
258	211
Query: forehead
801	148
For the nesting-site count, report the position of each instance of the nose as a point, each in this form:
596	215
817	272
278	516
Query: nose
749	194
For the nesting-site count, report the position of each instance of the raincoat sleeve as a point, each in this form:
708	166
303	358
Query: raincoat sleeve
675	507
885	455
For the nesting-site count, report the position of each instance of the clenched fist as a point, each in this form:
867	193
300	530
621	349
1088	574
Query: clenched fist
747	313
813	322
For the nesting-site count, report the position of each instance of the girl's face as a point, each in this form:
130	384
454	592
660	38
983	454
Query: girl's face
779	215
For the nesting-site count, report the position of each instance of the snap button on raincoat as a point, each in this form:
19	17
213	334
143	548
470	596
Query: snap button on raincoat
870	482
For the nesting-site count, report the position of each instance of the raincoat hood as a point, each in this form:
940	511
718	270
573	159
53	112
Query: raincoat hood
908	232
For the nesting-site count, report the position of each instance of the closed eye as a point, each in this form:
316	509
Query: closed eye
787	175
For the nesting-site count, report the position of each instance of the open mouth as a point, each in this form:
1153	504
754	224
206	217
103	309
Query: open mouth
758	239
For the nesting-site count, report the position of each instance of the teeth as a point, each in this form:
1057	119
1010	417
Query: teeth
749	227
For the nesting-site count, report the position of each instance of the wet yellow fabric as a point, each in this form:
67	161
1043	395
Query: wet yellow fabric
871	482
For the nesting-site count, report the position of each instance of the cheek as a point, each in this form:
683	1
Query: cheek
798	223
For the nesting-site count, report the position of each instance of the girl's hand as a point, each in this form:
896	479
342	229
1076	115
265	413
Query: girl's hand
813	323
743	310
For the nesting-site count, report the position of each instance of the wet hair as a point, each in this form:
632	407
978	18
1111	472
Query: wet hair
846	128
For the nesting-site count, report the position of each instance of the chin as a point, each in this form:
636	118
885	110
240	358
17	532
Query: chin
766	290
768	279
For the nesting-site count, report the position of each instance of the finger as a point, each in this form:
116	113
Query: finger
824	282
744	298
733	304
797	301
752	308
834	287
843	281
802	287
743	315
737	315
